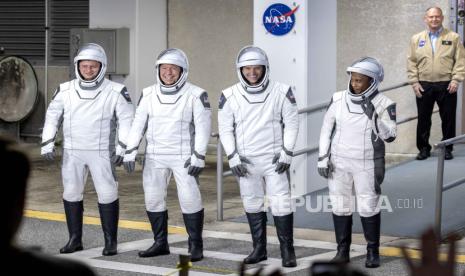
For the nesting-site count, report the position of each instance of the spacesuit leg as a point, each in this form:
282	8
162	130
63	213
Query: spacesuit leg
191	206
367	203
155	182
252	189
278	193
340	193
103	175
74	174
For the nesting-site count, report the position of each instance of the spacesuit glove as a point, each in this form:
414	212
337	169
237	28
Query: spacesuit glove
282	161
48	152
117	159
129	160
325	168
368	108
195	165
49	156
237	165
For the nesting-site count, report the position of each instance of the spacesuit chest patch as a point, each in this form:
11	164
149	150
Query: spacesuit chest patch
125	94
204	100
290	96
446	42
222	101
421	43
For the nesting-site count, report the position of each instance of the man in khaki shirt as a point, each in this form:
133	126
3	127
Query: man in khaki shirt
435	68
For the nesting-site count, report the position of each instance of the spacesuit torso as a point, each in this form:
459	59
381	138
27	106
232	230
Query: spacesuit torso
172	120
252	124
89	116
354	134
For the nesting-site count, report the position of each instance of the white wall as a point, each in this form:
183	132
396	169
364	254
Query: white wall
147	23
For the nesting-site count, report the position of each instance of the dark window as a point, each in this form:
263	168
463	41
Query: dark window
22	28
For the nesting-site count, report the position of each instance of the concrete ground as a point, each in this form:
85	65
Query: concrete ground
45	195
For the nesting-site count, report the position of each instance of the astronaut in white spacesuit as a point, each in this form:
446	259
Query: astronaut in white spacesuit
351	154
258	125
176	117
92	109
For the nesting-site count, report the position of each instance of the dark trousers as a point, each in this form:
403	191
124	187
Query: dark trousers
447	103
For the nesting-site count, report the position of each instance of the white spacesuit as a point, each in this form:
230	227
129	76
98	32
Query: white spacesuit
177	121
351	154
92	111
258	125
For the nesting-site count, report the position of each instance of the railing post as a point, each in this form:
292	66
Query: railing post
219	180
439	184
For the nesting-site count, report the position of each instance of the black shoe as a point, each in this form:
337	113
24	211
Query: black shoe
284	228
257	224
371	230
448	155
343	231
423	154
194	227
159	223
109	216
74	212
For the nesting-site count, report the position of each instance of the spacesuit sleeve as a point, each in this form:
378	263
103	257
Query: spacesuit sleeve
291	122
226	126
202	122
329	122
124	113
53	119
138	124
385	124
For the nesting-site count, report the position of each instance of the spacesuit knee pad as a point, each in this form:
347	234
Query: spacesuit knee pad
367	206
72	195
155	202
191	206
342	205
281	205
108	197
253	204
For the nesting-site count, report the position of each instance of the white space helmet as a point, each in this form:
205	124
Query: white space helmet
91	51
177	57
252	55
370	67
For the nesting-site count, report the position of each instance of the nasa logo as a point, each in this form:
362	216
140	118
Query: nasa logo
279	19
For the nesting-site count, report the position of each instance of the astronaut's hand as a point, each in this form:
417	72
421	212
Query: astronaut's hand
368	108
48	151
49	156
129	160
117	159
237	165
195	165
325	168
282	161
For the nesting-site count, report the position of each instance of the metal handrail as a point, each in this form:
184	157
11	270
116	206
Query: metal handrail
440	188
306	110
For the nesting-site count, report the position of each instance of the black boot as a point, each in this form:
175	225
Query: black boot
343	231
194	227
74	212
109	215
285	228
371	229
159	223
257	224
